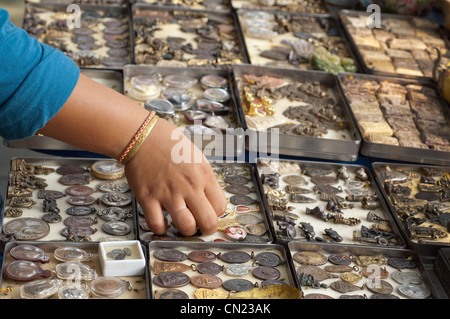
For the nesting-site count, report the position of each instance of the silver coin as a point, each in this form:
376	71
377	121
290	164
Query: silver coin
414	291
241	200
238	270
116	199
26	228
114	213
116	228
114	187
248	219
406	277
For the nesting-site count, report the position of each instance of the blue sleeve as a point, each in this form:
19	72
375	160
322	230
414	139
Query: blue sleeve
35	81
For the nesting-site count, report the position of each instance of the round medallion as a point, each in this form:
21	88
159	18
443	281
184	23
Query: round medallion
108	287
79	190
167	254
248	219
180	81
116	199
237	285
22	270
268	259
266	273
241	200
29	253
237	256
27	228
201	256
107	170
171	279
116	228
317	296
238	270
113	187
114	214
79	221
52	218
343	287
81	200
206	281
414	291
80	231
209	267
71	253
338	268
171	293
310	258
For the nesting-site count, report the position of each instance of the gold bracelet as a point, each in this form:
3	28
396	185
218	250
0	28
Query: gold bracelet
142	137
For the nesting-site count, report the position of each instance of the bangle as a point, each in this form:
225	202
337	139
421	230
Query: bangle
139	138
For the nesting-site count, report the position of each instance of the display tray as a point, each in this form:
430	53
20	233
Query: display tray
321	128
109	78
99	37
422	213
442	268
299	41
86	208
398	119
92	2
11	289
244	211
183	91
325	202
401	46
307	6
184	37
219	286
212	5
306	258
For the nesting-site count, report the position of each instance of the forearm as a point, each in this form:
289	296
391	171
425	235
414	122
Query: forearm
97	119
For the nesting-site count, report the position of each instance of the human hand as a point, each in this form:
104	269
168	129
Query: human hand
188	191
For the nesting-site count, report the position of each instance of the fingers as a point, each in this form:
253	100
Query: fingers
217	198
204	213
154	216
182	217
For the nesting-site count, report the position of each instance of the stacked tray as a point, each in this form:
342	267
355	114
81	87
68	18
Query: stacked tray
25	276
308	6
201	102
102	40
418	197
244	221
306	108
399	119
350	272
211	5
68	200
214	270
292	40
183	37
401	46
325	202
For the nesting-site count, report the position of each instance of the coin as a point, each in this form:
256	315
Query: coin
238	270
171	279
236	256
248	219
167	254
171	293
70	169
310	258
209	267
238	189
201	256
206	281
268	259
76	221
266	273
74	179
380	286
117	228
114	187
79	190
295	180
52	218
81	200
339	259
49	194
116	199
414	291
81	210
107	170
114	213
237	285
406	277
26	228
236	179
241	200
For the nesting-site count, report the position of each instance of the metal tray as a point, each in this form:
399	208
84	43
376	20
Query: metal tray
212	5
36	211
424	246
222	170
393	152
255	46
350	250
227	143
110	78
101	52
300	8
334	147
93	2
139	284
186	247
350	233
355	49
175	32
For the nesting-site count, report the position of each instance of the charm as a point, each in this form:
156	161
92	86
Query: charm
171	279
235	256
171	293
204	293
237	285
160	267
351	277
167	254
238	270
201	256
29	253
206	281
235	233
310	258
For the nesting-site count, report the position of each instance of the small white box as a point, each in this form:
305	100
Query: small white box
133	265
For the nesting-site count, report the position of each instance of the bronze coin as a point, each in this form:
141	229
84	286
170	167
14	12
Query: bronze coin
241	200
201	256
206	281
171	279
238	189
236	256
79	190
49	194
266	273
81	200
209	267
70	169
380	287
239	180
167	254
171	293
74	179
310	258
339	259
26	228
